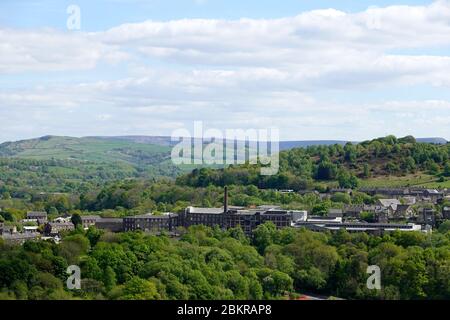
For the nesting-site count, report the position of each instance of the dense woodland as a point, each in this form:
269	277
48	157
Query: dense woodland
214	264
302	168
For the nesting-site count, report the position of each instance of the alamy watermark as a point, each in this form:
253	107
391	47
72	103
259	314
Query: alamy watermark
74	19
74	279
232	146
374	280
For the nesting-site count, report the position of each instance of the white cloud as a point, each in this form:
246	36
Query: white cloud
50	50
237	73
156	105
327	48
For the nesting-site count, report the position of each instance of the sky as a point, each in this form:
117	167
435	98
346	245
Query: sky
350	70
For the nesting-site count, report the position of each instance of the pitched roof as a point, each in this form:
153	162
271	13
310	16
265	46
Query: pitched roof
403	208
109	220
91	217
206	210
37	213
153	216
389	202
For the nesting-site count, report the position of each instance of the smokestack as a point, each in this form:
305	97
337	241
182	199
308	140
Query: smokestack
225	200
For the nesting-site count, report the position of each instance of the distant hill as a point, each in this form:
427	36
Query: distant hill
136	150
53	163
156	140
87	149
284	145
287	145
144	153
166	141
380	162
144	157
432	140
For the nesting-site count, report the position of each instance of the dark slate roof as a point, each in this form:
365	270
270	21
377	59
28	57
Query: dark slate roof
37	214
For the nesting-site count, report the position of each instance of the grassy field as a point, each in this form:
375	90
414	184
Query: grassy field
419	180
119	157
126	155
88	149
440	185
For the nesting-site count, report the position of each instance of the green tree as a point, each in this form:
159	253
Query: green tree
326	171
109	278
321	209
341	197
446	171
366	170
76	220
347	180
94	235
140	289
444	227
263	236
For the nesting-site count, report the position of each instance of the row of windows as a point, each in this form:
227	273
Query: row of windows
247	222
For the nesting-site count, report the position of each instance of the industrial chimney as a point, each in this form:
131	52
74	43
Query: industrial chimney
225	200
